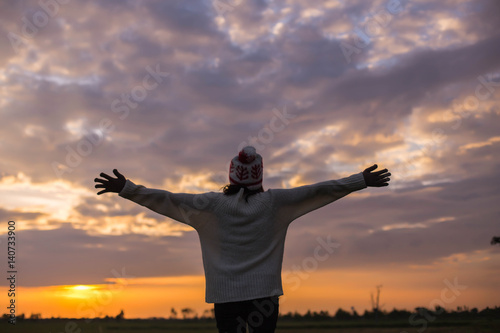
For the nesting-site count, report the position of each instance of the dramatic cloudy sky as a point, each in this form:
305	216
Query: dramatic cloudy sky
168	91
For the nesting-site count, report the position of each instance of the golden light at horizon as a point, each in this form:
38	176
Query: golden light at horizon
81	287
79	291
403	288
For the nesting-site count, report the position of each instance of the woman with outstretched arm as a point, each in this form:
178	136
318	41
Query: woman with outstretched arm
242	232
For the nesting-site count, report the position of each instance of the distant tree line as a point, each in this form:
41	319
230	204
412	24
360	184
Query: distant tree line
461	313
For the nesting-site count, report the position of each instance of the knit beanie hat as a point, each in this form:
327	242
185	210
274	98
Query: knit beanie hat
246	169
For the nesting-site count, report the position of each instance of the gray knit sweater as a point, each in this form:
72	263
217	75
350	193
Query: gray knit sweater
242	243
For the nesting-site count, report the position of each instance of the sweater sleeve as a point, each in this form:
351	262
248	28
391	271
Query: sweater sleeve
187	208
292	203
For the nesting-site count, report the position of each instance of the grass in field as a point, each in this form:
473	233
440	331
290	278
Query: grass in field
81	326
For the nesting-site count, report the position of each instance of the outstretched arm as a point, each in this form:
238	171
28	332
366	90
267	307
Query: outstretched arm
298	201
110	184
183	207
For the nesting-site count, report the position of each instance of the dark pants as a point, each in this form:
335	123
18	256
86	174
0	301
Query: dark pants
260	314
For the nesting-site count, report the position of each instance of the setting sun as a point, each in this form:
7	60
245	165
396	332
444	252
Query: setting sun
78	291
80	287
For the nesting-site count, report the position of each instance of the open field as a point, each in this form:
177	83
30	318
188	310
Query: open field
157	326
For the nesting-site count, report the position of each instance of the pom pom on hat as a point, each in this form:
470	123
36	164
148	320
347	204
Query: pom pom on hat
247	155
246	169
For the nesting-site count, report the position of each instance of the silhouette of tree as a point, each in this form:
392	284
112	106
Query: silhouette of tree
342	315
187	312
376	302
308	315
208	313
173	313
398	314
321	315
495	240
35	316
120	316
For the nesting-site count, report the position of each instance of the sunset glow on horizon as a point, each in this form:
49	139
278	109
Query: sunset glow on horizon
168	92
315	291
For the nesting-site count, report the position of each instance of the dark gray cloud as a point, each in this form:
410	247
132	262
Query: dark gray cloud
184	17
420	72
71	256
14	215
481	17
